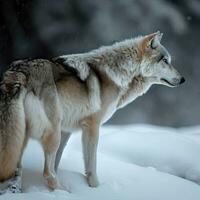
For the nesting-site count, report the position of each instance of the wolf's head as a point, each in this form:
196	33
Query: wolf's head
156	61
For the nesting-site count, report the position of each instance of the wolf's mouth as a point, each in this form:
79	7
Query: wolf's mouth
168	83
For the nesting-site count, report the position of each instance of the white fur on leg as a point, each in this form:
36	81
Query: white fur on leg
52	169
89	154
94	92
49	173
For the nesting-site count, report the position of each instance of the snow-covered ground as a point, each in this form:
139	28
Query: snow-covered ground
137	162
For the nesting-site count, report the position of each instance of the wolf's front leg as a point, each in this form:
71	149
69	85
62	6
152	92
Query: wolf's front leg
90	138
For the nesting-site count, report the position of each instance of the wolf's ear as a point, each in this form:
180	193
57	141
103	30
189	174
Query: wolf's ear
156	39
153	40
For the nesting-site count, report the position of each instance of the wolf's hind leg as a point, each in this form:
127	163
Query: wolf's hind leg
63	142
50	142
90	138
16	181
14	184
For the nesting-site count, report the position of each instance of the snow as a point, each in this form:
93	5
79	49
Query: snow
139	162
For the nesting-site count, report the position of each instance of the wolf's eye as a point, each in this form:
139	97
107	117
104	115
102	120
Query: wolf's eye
165	60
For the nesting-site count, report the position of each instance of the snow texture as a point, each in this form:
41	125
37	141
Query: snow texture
140	162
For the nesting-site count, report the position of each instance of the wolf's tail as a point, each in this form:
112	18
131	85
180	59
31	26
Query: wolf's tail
12	122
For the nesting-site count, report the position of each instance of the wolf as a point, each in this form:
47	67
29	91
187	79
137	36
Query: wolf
48	100
125	71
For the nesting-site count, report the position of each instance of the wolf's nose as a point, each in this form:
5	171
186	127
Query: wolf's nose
182	80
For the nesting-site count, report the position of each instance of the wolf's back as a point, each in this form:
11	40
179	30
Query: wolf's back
12	122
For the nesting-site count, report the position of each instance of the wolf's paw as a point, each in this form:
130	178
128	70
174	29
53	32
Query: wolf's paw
11	190
14	189
13	185
53	183
92	180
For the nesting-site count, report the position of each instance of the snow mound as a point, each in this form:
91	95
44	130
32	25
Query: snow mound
134	162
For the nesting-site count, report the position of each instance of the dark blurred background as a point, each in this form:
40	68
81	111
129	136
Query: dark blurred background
47	28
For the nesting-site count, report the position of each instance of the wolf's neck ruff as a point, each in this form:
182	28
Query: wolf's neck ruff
121	61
